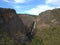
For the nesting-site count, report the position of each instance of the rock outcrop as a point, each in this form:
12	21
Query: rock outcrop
12	24
7	14
27	19
48	27
14	27
50	16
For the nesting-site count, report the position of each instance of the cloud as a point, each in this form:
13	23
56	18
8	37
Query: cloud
6	0
17	1
47	6
21	1
16	6
38	9
53	2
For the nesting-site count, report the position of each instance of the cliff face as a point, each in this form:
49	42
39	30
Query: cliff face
48	27
27	19
50	16
12	25
7	14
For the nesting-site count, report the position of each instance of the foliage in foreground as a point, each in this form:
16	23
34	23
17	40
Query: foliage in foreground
37	41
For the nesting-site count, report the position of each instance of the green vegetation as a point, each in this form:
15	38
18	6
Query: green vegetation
36	41
49	30
5	40
47	36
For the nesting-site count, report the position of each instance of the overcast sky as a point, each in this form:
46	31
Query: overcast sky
30	6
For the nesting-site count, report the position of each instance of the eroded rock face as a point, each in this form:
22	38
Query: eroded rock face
27	19
7	14
16	27
11	23
50	16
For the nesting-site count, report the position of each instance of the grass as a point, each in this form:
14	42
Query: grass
5	40
47	35
36	41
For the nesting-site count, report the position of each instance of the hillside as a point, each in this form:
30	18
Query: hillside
15	29
12	28
50	16
48	28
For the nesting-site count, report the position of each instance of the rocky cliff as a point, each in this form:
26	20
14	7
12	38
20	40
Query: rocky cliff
12	27
11	20
27	19
50	16
48	27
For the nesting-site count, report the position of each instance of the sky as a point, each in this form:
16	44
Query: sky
30	6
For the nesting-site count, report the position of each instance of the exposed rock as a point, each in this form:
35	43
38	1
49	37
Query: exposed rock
7	14
27	20
15	26
48	27
11	23
50	16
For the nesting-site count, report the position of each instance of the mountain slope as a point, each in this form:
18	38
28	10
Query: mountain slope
48	28
12	29
50	16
